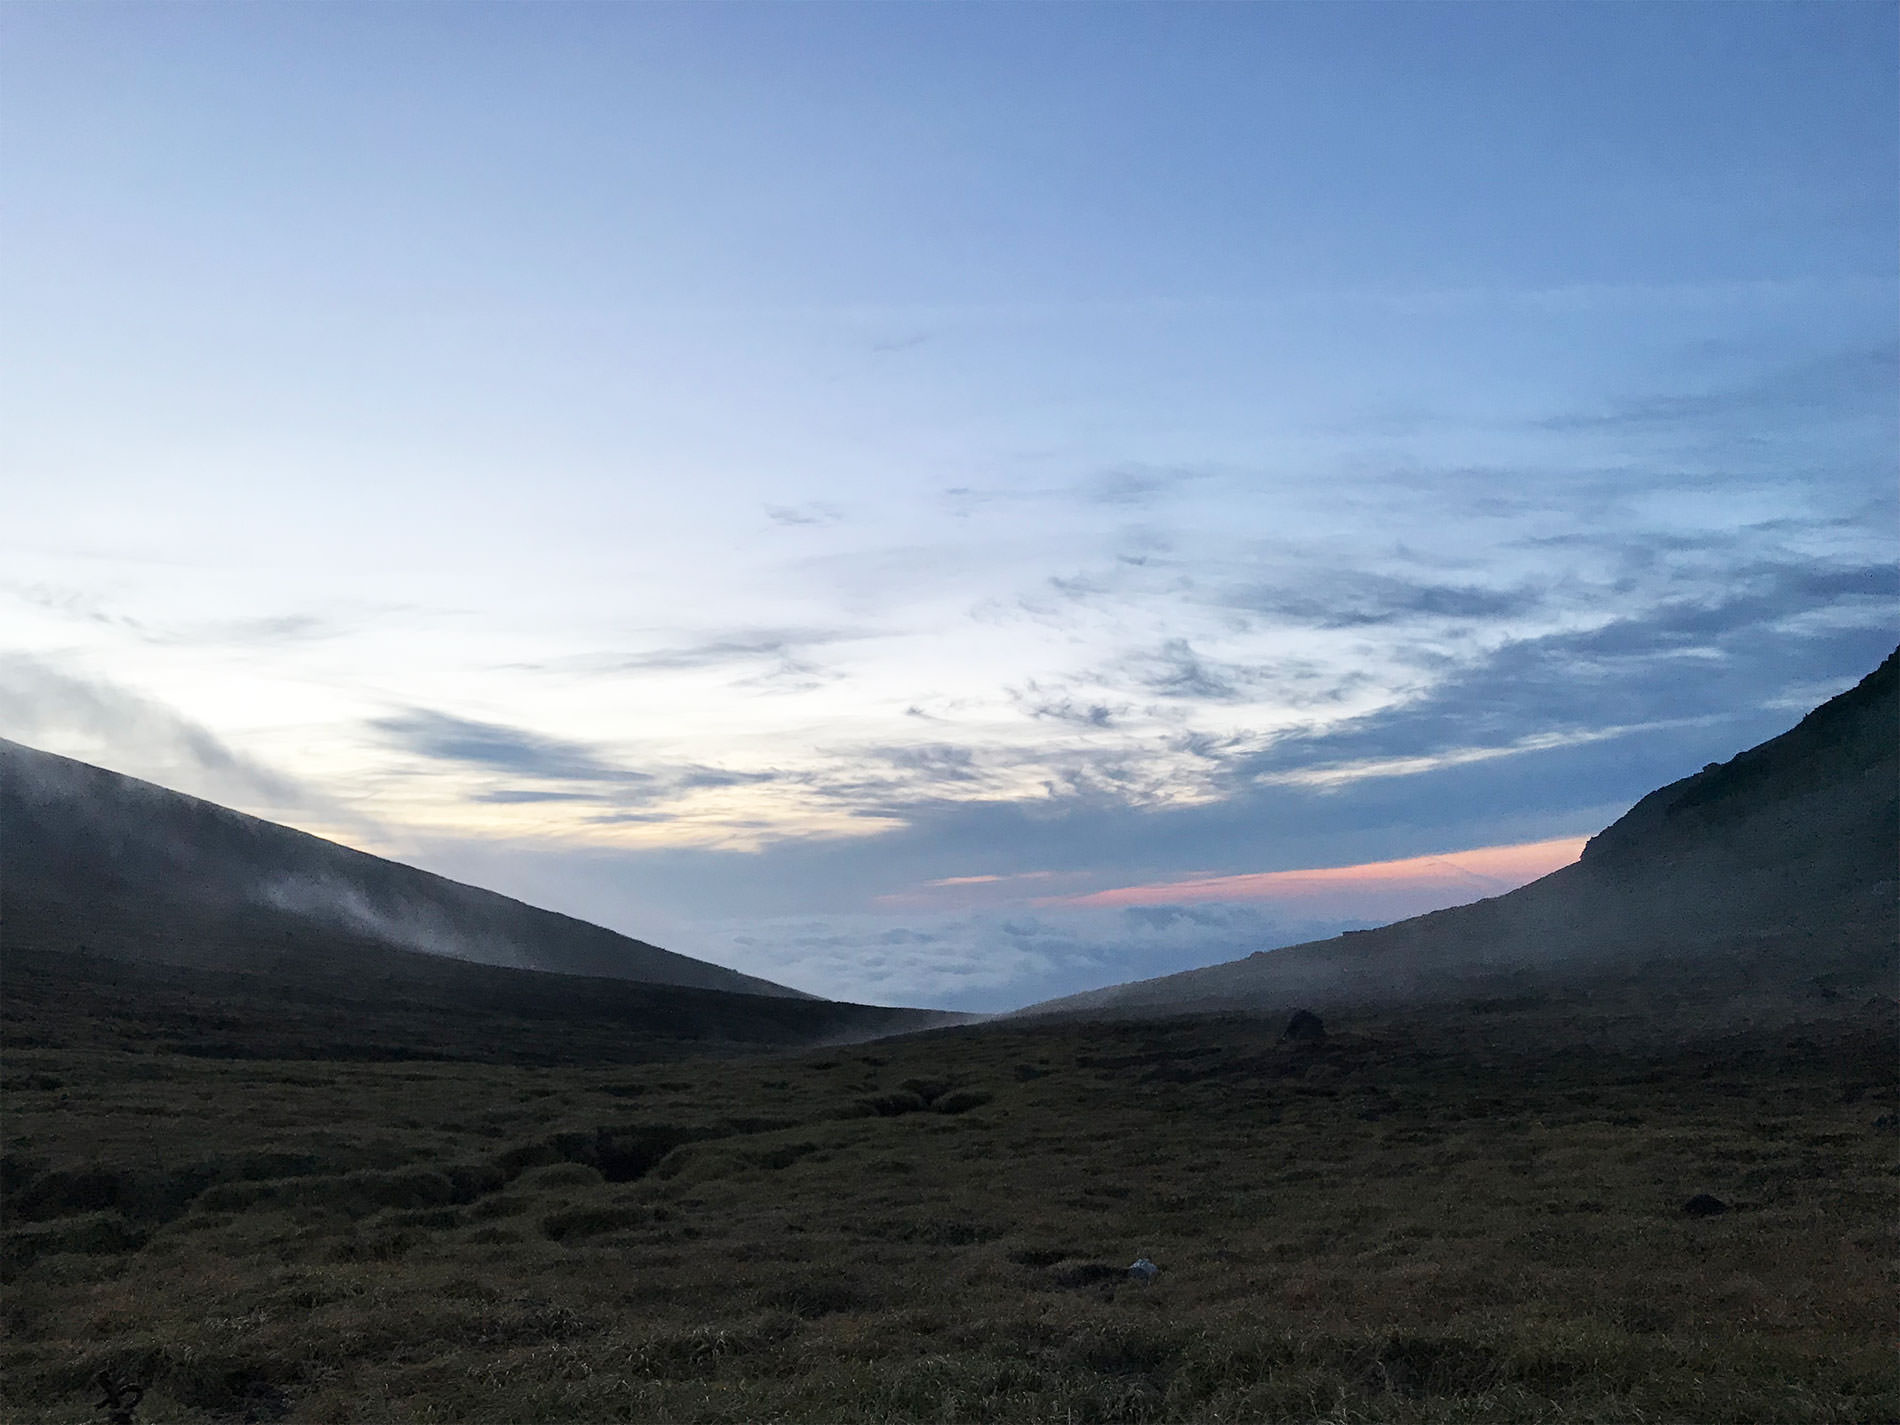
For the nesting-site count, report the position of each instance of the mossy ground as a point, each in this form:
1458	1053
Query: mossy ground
1471	1213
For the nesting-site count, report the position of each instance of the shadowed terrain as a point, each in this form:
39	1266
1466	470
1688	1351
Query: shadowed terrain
1584	1152
129	870
1776	868
168	918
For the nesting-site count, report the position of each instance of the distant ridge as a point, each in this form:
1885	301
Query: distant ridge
118	867
1780	862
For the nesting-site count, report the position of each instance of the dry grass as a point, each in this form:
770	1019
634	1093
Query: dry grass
1472	1214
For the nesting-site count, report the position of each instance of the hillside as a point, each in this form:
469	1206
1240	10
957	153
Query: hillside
1498	1201
1776	867
137	917
128	870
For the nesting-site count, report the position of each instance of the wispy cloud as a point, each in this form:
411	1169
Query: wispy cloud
812	512
261	631
741	646
98	720
557	770
1175	670
1859	380
1130	487
496	747
1347	599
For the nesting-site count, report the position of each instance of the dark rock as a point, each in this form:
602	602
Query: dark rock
1704	1205
1304	1028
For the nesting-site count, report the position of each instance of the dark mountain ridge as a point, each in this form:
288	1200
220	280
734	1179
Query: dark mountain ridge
1778	865
138	918
134	871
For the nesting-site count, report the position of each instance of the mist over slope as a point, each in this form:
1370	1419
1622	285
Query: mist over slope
93	860
1779	863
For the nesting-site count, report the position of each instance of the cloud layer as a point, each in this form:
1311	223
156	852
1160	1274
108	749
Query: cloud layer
696	469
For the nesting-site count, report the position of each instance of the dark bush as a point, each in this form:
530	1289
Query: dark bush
1125	1349
1087	1274
962	1101
1040	1256
593	1221
1304	1028
250	1390
353	1194
784	1155
821	1294
626	1153
96	1234
148	1195
1434	1365
890	1105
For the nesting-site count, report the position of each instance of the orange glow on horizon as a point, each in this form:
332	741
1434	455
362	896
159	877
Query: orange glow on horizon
1487	870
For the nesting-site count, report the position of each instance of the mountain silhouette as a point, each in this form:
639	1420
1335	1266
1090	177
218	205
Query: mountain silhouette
1775	867
134	871
139	918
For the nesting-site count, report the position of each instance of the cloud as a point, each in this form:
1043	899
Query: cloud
100	721
1066	710
1387	889
510	796
962	501
955	922
1175	670
264	631
1857	380
813	512
495	747
1346	599
1682	658
1134	486
939	763
573	771
740	646
260	632
770	659
997	960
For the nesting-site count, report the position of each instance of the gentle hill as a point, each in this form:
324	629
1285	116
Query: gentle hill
1774	868
138	918
129	870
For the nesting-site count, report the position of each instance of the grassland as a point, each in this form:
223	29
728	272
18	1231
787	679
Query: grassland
1468	1212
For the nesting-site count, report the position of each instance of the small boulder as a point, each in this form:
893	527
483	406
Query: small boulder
1305	1028
1144	1270
1704	1205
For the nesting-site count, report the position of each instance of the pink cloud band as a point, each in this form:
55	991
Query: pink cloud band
1483	871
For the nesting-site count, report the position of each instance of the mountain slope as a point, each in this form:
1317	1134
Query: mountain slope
1778	864
92	859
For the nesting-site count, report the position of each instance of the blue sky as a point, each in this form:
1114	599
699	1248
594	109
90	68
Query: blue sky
824	488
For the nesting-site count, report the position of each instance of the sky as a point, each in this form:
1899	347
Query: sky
945	504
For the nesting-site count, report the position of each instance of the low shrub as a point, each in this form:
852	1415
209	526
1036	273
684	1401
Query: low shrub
94	1234
961	1101
561	1175
816	1294
891	1105
593	1221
